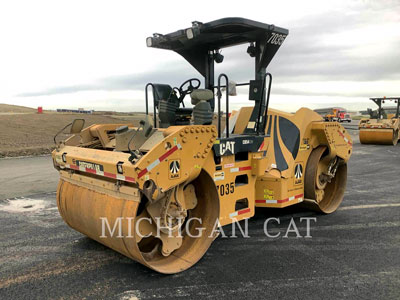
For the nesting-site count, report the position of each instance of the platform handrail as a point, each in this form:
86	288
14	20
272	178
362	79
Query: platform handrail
154	103
219	96
267	101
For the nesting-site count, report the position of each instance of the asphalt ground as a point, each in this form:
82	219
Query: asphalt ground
353	253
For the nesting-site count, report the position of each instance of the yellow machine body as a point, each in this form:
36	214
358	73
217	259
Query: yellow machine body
379	131
381	128
93	186
158	193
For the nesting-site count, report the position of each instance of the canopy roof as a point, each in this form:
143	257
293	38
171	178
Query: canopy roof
194	43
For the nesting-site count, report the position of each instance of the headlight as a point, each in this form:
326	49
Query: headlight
120	169
189	33
149	41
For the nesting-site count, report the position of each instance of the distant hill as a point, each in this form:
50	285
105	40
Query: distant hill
7	108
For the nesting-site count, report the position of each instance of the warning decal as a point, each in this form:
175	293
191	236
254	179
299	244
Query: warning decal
174	169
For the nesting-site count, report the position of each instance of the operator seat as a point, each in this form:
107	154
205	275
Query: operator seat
169	111
202	112
167	103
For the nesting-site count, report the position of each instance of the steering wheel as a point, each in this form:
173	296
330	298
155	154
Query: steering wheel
193	83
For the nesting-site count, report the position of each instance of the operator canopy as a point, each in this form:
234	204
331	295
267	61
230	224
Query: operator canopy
200	45
197	42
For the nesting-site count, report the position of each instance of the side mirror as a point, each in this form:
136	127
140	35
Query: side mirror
77	126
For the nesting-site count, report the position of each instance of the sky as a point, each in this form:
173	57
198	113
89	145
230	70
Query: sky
93	54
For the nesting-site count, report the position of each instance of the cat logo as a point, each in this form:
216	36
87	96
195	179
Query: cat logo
174	169
298	174
227	147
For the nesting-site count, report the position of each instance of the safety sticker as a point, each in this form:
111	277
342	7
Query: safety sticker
158	160
234	170
174	168
304	147
268	194
99	172
239	212
219	176
345	138
261	147
298	173
299	198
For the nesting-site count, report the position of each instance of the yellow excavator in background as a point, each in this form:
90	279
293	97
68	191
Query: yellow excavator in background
163	186
380	128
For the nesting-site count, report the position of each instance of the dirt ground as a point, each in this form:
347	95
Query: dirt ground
23	134
9	109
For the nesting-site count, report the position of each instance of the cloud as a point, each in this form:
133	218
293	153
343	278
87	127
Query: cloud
358	43
168	72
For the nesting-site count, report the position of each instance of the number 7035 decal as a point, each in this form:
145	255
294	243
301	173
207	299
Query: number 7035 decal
226	189
276	39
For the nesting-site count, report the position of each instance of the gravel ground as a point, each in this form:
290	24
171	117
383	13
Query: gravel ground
353	253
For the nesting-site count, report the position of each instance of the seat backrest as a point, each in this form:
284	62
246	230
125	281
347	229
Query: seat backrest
166	102
202	113
167	113
163	92
198	95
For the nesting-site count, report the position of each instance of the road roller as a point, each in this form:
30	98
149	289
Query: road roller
379	128
158	192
